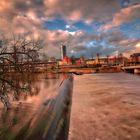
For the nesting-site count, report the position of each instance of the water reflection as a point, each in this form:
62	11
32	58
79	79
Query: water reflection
30	99
17	87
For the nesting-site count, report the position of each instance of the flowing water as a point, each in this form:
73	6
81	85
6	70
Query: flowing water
106	107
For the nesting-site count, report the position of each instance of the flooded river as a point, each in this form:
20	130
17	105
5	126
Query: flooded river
106	107
33	107
37	107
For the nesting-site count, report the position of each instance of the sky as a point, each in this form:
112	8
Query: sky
86	27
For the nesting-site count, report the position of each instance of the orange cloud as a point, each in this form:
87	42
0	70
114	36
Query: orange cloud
123	16
4	5
138	45
75	15
88	10
20	16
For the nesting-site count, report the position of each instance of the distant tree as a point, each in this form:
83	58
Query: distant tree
44	57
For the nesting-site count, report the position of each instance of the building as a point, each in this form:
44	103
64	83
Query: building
90	62
107	61
63	52
65	61
135	58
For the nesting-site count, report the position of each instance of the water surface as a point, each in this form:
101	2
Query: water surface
106	107
30	100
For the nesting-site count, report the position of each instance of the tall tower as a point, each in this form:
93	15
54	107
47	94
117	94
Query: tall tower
63	51
98	58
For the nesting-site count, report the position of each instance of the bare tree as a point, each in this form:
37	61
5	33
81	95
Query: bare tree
18	51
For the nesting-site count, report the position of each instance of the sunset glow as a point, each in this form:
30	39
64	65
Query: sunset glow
138	45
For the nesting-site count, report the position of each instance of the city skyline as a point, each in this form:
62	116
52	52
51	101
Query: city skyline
87	27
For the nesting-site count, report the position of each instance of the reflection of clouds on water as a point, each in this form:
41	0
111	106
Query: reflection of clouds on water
30	99
25	88
17	88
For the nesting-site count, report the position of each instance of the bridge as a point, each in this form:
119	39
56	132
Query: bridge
132	69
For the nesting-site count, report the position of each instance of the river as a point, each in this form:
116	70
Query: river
106	107
34	107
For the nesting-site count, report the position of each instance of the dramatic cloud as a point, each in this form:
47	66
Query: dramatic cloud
34	11
88	10
123	16
87	25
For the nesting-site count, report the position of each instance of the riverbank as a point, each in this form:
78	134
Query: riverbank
105	107
70	69
90	70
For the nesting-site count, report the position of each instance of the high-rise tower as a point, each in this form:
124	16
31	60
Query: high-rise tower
63	51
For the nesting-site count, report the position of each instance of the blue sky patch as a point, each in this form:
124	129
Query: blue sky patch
55	24
60	24
131	29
